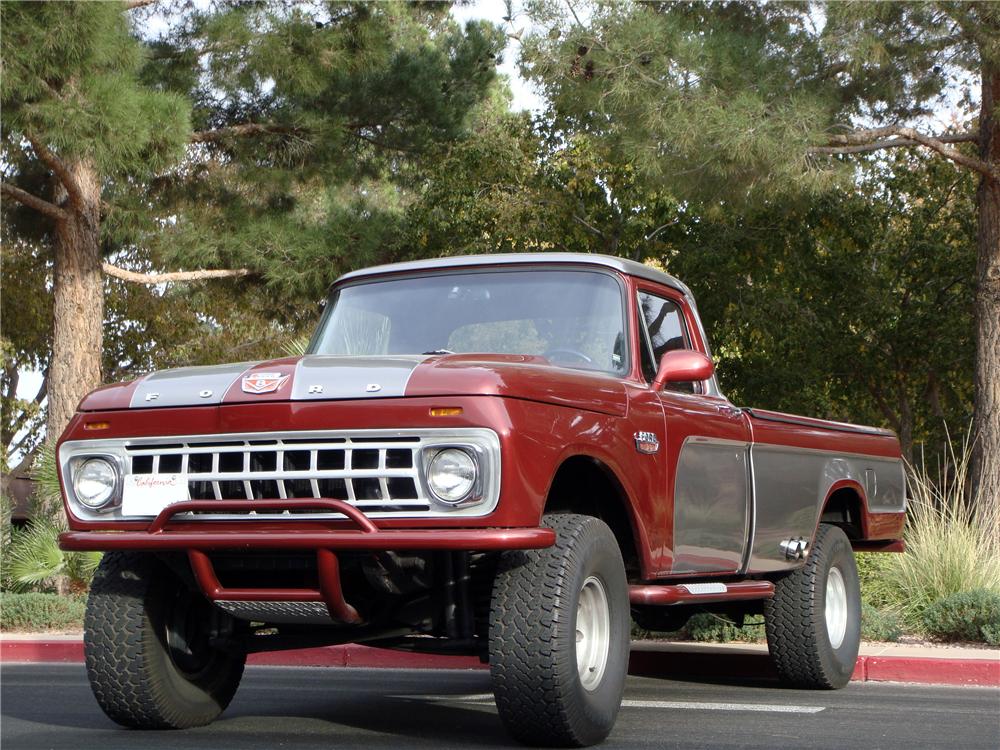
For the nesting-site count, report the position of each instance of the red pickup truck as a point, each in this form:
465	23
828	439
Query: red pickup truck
510	456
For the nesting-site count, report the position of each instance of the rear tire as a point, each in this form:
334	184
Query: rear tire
559	636
146	639
813	623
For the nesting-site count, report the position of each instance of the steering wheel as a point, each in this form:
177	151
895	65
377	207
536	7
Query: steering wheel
571	352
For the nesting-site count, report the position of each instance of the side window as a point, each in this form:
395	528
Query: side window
663	331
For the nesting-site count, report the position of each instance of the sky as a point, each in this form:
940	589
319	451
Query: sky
525	97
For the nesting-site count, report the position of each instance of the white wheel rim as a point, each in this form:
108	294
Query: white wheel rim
836	607
593	632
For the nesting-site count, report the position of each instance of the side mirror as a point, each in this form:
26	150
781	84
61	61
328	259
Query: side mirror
682	366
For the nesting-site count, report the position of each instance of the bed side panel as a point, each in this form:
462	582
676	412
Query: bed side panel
795	467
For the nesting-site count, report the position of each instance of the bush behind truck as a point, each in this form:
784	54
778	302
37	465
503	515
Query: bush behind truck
504	456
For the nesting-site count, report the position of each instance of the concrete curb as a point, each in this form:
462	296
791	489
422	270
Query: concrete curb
658	661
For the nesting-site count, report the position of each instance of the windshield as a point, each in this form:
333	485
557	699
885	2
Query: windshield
572	318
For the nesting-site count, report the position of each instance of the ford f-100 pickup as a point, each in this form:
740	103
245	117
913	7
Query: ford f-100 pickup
510	456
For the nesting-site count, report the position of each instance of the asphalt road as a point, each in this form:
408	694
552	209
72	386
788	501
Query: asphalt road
50	706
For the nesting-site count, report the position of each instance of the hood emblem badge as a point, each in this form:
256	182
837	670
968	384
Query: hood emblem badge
263	382
647	442
373	388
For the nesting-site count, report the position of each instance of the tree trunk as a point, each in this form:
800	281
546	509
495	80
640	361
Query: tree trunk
78	302
986	422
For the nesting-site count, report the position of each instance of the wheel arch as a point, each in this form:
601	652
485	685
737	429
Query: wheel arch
846	506
586	485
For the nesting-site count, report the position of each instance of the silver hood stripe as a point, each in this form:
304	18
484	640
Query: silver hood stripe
188	386
319	377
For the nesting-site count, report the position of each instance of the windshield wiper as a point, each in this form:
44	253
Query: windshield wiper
439	351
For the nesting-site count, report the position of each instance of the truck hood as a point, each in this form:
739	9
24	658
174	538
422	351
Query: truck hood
327	378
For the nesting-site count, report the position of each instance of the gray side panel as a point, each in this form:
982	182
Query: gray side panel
188	386
791	484
711	506
320	377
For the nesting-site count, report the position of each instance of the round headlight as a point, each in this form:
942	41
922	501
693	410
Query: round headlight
94	482
451	475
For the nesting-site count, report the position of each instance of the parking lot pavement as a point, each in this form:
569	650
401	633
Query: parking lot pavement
50	706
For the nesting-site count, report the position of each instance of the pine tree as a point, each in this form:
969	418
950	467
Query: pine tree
265	142
736	103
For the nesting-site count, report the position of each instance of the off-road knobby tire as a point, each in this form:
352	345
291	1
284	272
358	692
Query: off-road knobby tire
532	640
131	671
795	619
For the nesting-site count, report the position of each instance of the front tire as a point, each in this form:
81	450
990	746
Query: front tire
559	636
813	622
150	660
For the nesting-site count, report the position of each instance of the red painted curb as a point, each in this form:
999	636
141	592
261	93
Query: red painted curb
41	651
934	671
924	670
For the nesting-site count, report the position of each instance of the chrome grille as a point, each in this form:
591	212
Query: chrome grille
377	474
378	470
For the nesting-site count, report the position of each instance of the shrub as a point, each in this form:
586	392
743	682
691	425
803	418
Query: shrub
709	628
966	616
41	612
880	624
952	543
33	561
875	590
991	634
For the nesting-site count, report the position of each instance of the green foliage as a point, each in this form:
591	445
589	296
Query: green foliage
358	99
40	612
288	139
34	562
709	628
856	307
880	624
991	634
952	542
966	616
723	101
7	533
71	82
48	491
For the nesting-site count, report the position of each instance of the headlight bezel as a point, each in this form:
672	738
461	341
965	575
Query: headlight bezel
76	465
474	491
477	494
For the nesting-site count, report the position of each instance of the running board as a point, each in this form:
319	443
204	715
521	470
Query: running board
695	593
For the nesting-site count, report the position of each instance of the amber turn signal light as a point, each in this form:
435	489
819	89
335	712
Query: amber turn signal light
446	411
96	425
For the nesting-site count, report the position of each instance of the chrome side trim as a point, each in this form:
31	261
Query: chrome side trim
751	504
825	424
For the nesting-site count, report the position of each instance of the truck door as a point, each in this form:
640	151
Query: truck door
707	449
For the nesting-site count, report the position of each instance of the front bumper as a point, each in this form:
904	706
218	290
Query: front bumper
328	599
270	535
